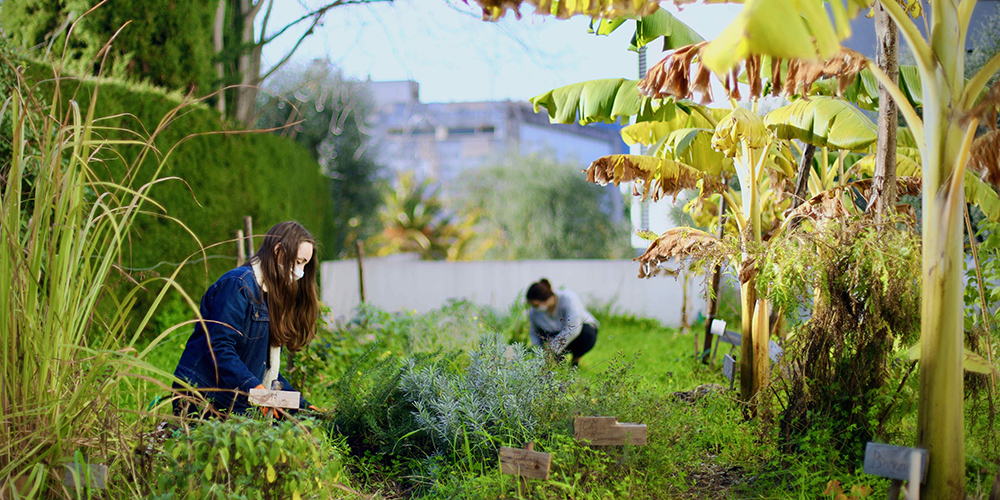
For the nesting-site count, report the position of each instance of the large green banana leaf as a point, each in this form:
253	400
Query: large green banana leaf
663	24
607	101
788	29
982	195
823	122
864	90
649	132
655	177
686	138
493	10
907	163
648	28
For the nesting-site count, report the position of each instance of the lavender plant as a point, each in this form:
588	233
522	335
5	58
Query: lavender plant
492	402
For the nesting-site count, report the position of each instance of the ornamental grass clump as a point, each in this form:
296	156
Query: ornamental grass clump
66	365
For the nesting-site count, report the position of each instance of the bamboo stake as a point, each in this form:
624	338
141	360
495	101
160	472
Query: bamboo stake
361	270
241	256
248	227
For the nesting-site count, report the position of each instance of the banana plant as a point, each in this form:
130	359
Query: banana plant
952	110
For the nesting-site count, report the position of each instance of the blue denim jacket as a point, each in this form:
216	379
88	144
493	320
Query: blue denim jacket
230	350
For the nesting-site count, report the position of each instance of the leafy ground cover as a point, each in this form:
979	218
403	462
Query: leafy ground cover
416	406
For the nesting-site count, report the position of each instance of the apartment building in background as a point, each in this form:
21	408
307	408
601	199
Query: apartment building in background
443	140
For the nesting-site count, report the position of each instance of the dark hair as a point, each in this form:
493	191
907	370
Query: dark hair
293	305
540	291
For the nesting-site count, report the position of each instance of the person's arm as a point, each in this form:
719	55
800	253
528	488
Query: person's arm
533	330
224	319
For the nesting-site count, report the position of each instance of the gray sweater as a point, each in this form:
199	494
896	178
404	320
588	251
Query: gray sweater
568	319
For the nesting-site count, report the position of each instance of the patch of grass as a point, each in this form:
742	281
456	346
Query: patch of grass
665	356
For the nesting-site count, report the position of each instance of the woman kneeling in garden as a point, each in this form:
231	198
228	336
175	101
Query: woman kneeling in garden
559	321
249	314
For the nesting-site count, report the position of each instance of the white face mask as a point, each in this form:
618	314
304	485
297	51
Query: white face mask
297	273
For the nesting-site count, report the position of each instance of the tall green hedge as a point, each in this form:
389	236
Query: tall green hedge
164	42
226	176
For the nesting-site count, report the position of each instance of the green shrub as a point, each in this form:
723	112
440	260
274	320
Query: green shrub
370	410
166	43
840	369
246	458
492	403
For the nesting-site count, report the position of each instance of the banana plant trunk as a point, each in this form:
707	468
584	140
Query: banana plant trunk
940	425
753	357
748	301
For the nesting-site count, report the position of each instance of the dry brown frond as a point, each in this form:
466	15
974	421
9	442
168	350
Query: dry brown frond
985	159
986	110
844	66
680	243
672	75
675	77
654	177
830	204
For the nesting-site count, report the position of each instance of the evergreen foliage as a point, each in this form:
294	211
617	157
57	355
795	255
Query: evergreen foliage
543	209
165	42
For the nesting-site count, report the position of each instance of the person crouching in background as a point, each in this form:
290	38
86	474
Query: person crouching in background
559	322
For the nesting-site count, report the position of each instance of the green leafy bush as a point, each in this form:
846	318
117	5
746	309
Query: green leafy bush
840	369
247	458
165	42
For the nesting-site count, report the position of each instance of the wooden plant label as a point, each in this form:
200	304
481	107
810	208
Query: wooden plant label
606	431
275	399
525	462
893	461
75	471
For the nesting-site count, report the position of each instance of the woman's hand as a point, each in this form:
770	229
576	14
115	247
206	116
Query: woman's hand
268	411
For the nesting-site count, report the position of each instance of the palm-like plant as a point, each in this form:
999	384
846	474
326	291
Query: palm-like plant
415	219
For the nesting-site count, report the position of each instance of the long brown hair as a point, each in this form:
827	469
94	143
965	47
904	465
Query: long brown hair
293	306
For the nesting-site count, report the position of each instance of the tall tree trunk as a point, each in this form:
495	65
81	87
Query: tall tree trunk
218	42
884	182
247	92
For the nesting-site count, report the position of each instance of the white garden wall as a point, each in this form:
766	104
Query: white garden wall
402	282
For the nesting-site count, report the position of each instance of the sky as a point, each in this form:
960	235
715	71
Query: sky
455	56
